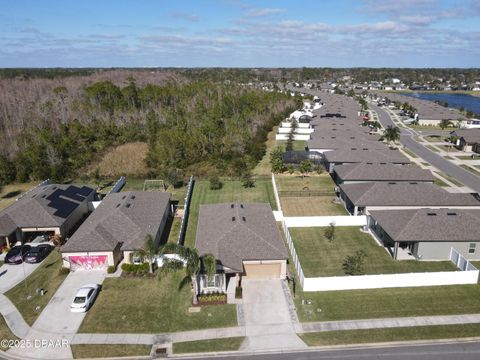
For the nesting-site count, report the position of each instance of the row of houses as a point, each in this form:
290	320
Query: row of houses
405	210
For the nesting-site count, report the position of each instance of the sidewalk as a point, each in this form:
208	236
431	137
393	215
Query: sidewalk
13	318
325	326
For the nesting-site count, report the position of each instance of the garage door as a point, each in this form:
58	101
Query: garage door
263	271
88	262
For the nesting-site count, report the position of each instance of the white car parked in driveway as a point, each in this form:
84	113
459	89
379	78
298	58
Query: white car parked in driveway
84	298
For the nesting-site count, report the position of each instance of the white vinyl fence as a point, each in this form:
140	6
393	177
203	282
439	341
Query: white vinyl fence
275	192
118	185
186	212
332	283
321	221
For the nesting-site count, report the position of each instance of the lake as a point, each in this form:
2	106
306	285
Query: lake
468	102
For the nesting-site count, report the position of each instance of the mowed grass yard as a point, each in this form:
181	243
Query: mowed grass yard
45	276
299	196
384	303
150	305
232	191
320	257
8	193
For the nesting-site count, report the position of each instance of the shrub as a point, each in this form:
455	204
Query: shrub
238	292
215	183
63	271
111	269
213	298
135	269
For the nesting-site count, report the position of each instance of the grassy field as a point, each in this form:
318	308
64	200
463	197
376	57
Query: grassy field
86	351
232	191
45	276
465	157
432	148
471	169
126	159
319	257
9	193
5	333
449	178
264	167
214	345
434	138
383	303
411	153
389	335
439	182
303	205
162	307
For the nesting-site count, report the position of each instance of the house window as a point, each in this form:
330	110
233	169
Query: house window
471	248
213	282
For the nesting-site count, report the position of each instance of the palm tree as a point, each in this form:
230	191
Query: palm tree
149	251
193	265
392	134
444	123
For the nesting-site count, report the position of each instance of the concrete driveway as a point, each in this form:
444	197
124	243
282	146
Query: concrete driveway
11	275
56	322
269	320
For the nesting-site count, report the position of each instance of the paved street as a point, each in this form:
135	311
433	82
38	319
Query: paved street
406	138
441	351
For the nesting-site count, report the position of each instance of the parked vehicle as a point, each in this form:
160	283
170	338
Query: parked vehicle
38	253
17	254
84	298
39	240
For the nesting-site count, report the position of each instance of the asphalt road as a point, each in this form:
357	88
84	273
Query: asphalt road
449	351
449	168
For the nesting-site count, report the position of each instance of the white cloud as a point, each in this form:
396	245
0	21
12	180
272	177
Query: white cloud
255	13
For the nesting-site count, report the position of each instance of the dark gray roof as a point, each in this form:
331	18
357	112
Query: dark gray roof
45	206
341	142
245	232
405	194
7	225
364	154
382	172
471	136
125	218
430	225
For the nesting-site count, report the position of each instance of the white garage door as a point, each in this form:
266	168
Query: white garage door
263	271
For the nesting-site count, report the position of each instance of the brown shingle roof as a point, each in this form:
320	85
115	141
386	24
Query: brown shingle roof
405	194
382	172
46	206
430	225
242	232
125	217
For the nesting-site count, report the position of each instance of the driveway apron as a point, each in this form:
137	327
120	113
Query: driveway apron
269	323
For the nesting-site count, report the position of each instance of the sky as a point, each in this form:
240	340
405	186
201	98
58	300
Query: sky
239	33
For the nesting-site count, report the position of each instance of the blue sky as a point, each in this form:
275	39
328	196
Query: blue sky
238	33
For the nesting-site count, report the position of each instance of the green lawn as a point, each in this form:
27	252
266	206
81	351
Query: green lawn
88	351
465	157
390	335
451	179
321	182
5	333
150	305
45	276
319	257
448	148
439	182
264	167
383	303
435	138
214	345
8	193
472	170
232	191
432	148
174	230
409	152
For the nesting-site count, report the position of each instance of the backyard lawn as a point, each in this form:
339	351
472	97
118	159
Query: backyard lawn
384	303
392	334
213	345
309	196
162	307
45	276
5	333
232	191
8	193
320	257
89	351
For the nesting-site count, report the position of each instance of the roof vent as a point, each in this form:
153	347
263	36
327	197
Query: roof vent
241	205
243	218
43	196
123	197
391	183
132	197
128	205
413	183
431	214
54	187
451	214
232	206
117	205
233	218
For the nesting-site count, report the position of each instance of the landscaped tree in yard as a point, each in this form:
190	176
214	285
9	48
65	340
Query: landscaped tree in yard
445	123
276	160
193	265
329	232
353	264
305	167
392	134
291	135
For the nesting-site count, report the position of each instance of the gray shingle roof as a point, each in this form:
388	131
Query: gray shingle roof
471	136
125	217
245	232
405	194
382	172
342	142
45	206
430	225
358	155
7	225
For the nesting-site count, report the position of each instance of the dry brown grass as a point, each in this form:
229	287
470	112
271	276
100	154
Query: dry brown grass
126	159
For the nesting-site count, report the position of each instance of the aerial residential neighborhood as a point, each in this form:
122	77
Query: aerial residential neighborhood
240	179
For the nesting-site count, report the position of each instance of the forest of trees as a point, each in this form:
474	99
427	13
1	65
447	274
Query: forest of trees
54	128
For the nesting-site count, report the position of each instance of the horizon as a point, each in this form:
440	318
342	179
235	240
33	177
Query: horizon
241	34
